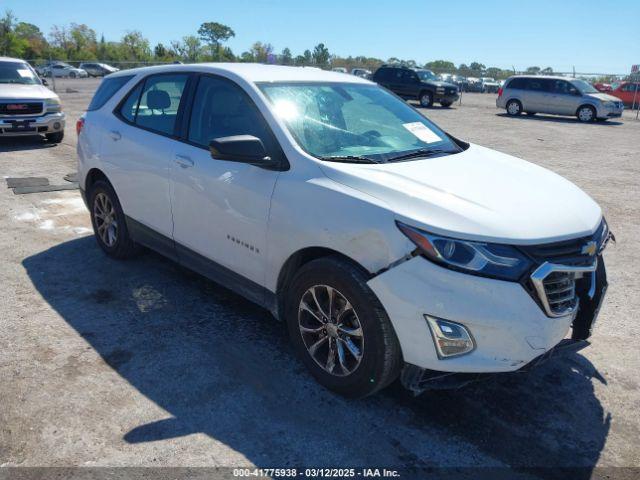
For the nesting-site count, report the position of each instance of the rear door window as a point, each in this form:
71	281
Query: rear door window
159	102
518	84
129	107
108	87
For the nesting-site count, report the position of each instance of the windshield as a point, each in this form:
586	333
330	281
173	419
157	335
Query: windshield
426	75
354	122
583	86
17	72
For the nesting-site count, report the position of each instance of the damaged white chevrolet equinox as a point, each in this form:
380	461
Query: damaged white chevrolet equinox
389	247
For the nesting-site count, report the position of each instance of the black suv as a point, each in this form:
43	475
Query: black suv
416	84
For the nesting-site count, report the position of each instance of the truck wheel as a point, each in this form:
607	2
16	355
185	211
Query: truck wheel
340	330
426	99
108	220
514	108
586	114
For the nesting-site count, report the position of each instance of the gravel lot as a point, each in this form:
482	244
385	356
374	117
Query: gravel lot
144	363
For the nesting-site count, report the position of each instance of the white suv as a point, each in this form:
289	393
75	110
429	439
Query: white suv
388	246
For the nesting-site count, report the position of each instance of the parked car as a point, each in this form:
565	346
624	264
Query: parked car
64	70
27	107
388	247
489	85
602	87
339	69
418	84
461	82
361	72
625	91
557	96
98	69
474	85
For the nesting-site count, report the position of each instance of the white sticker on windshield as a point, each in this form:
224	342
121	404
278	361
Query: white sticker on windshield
24	73
421	131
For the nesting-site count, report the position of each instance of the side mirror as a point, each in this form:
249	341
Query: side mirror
240	148
44	82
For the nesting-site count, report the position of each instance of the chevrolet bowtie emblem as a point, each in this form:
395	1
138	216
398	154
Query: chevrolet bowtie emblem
589	249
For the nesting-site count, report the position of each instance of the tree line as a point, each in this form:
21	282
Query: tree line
79	42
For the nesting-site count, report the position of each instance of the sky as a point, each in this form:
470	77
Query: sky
594	36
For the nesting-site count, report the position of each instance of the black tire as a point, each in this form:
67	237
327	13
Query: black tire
514	108
446	104
55	137
123	247
381	358
72	74
583	116
426	99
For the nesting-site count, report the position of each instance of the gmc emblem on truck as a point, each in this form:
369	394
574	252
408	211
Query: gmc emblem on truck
17	106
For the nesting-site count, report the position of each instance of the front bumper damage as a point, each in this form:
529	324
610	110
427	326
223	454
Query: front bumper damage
509	325
418	380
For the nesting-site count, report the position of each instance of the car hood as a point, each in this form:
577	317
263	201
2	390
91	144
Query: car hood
605	97
478	194
440	83
24	92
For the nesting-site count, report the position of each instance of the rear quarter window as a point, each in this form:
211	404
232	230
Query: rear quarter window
518	83
106	90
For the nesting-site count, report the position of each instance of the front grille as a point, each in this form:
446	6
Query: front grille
561	265
560	291
18	108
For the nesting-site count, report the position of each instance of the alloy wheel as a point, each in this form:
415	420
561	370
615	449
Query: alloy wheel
105	218
585	114
513	108
331	330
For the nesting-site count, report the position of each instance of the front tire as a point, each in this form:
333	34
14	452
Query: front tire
426	99
586	114
340	330
514	108
109	223
72	75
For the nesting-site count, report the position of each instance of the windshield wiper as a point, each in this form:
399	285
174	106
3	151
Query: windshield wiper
422	152
348	159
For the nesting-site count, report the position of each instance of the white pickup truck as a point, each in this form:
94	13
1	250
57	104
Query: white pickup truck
27	107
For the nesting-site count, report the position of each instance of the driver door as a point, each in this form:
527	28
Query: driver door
220	207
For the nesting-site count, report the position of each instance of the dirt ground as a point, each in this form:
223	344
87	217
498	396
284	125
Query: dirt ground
106	363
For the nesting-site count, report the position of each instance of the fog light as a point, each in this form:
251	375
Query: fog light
450	338
56	126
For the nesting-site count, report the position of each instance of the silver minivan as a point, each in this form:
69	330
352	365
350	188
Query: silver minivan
557	96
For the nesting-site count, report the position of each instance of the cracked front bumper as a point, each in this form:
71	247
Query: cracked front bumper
508	326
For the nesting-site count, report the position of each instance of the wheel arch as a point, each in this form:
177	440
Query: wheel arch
587	104
93	175
299	258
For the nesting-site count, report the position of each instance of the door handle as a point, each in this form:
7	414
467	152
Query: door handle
184	161
115	135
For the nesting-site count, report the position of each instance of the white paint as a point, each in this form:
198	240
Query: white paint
47	225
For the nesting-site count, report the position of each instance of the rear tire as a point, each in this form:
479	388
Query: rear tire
586	114
55	137
514	108
109	223
348	345
426	99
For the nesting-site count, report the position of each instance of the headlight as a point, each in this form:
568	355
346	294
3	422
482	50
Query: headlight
486	259
609	104
53	105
